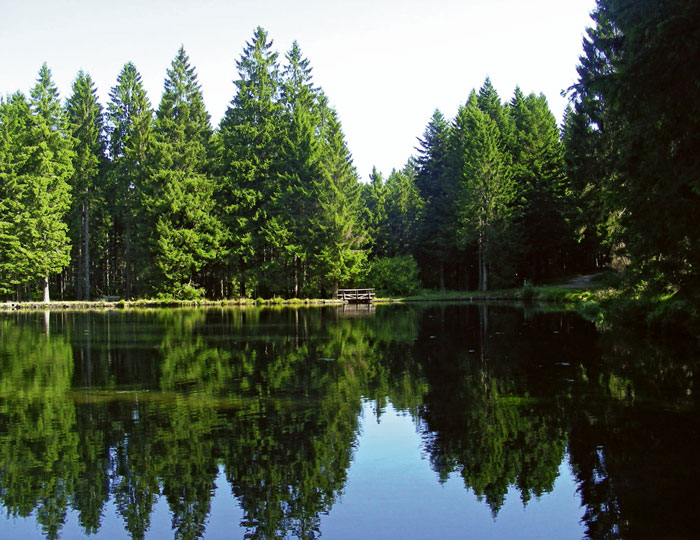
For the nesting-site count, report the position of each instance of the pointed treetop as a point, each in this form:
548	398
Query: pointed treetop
44	97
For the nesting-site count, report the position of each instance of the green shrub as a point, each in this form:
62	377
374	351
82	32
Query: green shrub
394	276
527	293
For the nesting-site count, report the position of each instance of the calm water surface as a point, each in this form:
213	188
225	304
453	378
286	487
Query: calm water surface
406	422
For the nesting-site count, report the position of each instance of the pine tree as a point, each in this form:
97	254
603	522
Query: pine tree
129	127
590	135
85	122
177	201
250	143
589	208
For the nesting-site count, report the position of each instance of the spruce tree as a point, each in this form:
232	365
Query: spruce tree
249	162
129	123
38	193
15	127
638	87
339	237
404	210
374	202
485	196
178	196
538	172
436	186
85	122
299	166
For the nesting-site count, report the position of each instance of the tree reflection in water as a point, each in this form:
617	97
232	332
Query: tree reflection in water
131	406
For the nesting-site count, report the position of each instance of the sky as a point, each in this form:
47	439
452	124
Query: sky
385	65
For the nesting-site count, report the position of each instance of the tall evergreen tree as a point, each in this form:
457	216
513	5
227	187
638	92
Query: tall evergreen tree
300	166
396	207
15	127
178	197
337	227
129	126
538	172
436	186
587	200
638	85
589	136
36	193
374	202
250	142
486	192
86	125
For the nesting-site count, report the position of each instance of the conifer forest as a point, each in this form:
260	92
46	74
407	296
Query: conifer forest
131	200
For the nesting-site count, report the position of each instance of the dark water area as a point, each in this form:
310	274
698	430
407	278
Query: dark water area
420	421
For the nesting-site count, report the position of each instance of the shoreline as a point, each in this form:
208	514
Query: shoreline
568	299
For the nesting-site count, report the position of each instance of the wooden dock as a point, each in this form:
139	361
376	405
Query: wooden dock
356	296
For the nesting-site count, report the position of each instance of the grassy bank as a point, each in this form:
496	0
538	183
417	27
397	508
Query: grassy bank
593	298
152	303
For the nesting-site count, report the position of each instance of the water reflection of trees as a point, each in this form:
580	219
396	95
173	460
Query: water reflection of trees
131	406
634	439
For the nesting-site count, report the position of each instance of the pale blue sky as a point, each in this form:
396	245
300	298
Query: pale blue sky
385	65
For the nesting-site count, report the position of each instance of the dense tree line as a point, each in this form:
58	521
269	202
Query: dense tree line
127	201
632	140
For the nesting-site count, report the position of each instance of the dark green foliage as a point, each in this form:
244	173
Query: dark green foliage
394	276
129	123
636	104
540	181
178	197
85	122
35	163
15	125
289	192
336	227
393	211
251	135
486	193
436	186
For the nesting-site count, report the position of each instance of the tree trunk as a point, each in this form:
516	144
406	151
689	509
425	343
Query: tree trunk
47	298
483	267
86	250
127	256
442	276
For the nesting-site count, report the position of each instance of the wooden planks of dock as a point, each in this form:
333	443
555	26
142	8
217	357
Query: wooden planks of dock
355	296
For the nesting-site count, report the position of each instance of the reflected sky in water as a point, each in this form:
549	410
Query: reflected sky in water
430	421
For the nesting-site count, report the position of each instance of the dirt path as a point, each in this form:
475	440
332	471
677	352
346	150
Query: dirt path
579	282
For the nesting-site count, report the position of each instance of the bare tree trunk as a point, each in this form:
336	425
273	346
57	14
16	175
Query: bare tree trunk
47	298
127	273
86	250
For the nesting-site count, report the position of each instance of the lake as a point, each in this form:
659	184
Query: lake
392	422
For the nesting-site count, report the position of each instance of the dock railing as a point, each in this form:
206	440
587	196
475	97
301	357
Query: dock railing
355	296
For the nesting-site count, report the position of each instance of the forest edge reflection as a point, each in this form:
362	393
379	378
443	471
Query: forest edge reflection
131	406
